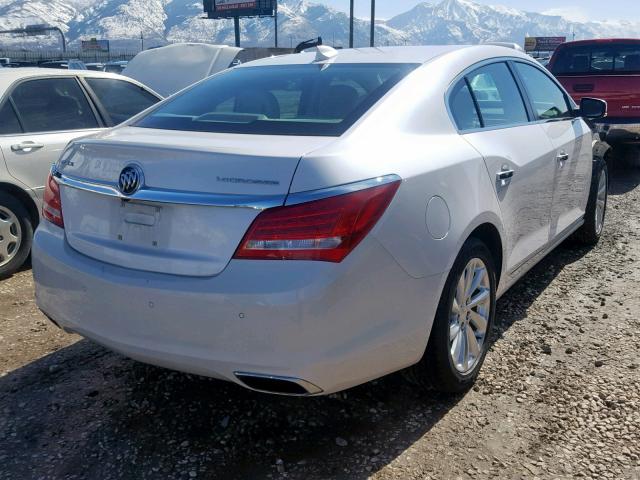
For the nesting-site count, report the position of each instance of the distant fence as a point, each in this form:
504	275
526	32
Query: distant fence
39	56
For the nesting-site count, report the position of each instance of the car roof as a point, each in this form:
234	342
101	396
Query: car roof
8	76
421	54
600	41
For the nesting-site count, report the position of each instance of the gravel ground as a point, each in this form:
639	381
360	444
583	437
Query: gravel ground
558	397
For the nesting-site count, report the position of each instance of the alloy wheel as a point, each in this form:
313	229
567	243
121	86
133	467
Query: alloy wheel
469	316
10	235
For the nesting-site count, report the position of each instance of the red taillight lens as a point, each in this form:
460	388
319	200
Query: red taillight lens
325	230
52	205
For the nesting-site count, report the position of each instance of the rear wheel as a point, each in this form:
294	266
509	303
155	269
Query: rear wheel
591	230
460	334
16	234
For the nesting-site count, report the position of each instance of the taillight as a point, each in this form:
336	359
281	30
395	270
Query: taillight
52	205
325	230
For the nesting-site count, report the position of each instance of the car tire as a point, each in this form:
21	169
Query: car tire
438	370
16	234
591	230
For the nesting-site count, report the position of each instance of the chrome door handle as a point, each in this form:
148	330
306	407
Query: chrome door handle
562	157
504	175
26	147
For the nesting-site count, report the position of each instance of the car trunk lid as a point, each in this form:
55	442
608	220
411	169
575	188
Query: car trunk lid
200	194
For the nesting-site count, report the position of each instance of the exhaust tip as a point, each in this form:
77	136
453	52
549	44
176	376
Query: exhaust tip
276	384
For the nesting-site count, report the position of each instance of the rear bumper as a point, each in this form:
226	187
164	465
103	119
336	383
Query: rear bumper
331	325
619	130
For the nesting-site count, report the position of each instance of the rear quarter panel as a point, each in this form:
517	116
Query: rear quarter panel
411	134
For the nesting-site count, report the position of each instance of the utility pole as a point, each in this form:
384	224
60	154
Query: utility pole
236	28
351	25
372	41
276	22
64	40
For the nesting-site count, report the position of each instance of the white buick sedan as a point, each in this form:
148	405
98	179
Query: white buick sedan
306	223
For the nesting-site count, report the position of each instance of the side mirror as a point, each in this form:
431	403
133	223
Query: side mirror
592	108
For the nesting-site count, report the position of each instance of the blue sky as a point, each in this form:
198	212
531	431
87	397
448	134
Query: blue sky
577	10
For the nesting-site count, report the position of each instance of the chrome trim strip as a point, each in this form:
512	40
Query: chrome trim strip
311	195
308	386
178	197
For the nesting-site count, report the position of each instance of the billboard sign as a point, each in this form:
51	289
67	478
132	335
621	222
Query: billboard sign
239	8
95	45
543	44
222	5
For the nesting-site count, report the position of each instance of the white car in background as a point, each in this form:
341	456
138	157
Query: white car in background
173	67
305	223
41	111
116	66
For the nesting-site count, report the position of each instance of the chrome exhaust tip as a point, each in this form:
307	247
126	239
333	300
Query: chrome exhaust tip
277	384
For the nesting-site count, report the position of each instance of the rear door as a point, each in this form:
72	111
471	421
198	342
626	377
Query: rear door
518	155
571	138
45	115
604	69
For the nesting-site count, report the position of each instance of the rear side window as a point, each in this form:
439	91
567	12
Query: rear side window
597	59
496	92
9	123
547	99
462	107
53	105
122	100
316	100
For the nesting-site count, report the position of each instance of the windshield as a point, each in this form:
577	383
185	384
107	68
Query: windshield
597	59
315	100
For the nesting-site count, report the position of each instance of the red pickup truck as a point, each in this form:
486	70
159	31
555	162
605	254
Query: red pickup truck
608	69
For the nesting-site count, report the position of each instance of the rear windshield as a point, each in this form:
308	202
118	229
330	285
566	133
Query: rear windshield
597	59
315	100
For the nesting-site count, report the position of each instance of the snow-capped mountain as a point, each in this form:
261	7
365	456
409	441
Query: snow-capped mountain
163	21
463	21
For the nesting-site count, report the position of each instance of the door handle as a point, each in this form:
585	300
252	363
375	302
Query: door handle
26	147
562	157
504	176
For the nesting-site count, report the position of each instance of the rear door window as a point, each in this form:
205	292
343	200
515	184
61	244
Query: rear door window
9	123
463	107
122	100
497	95
597	59
53	105
547	99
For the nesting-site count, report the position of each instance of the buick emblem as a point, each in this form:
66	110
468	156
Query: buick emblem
131	179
